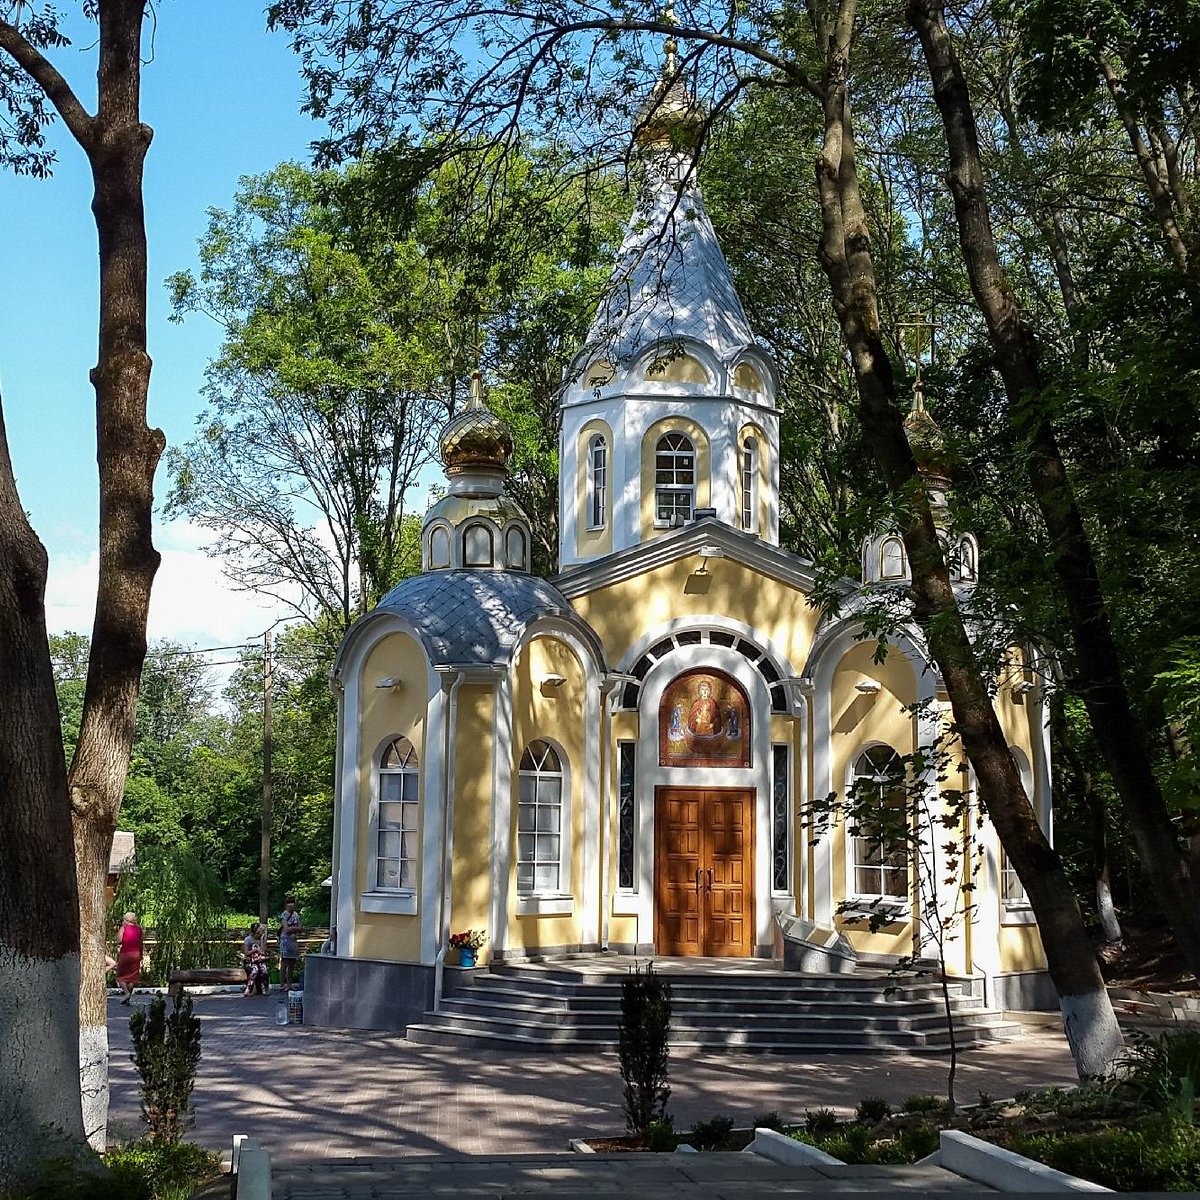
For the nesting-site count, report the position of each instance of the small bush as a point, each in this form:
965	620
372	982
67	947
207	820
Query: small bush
986	1100
923	1104
645	1024
169	1170
770	1120
1163	1072
821	1121
918	1142
711	1135
873	1108
1162	1155
660	1136
166	1053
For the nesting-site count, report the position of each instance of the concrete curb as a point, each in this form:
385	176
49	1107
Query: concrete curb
579	1146
778	1148
980	1161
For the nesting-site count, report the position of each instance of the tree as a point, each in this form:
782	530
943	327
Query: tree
115	141
563	56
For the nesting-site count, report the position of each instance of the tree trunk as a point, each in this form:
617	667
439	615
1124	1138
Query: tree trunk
128	453
39	914
1089	1022
1100	682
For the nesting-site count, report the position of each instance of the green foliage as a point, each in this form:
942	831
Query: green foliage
770	1120
661	1137
873	1108
642	1036
166	1053
923	1104
1157	1155
168	1170
179	896
1162	1072
821	1121
918	1141
711	1134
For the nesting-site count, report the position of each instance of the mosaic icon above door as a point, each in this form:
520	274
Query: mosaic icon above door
704	721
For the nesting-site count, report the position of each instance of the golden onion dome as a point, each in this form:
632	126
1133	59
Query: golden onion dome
670	118
476	437
925	437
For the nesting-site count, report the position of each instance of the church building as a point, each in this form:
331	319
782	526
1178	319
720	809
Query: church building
627	758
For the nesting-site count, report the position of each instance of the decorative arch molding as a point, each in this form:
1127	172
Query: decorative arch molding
666	349
829	649
771	663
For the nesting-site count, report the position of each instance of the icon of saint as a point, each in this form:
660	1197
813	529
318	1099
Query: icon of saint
704	719
733	724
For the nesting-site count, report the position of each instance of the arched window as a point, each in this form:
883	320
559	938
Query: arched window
396	838
877	823
747	377
674	480
540	820
515	550
750	485
1012	890
892	564
477	546
966	560
439	547
597	484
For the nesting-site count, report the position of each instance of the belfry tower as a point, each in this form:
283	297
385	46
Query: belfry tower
669	412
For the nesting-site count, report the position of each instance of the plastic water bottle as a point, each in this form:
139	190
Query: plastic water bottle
281	1013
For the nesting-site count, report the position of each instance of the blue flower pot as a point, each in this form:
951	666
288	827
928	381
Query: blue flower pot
466	957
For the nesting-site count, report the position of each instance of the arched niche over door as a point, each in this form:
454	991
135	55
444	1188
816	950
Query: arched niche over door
704	721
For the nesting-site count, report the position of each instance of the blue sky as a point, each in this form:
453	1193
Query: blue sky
223	97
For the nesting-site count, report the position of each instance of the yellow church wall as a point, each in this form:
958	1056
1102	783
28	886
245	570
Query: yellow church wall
1021	948
703	467
592	542
385	714
556	715
674	590
471	884
858	721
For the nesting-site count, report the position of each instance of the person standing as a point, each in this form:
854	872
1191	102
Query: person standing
289	943
129	956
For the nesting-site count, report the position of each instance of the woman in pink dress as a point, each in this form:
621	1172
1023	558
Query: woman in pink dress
129	955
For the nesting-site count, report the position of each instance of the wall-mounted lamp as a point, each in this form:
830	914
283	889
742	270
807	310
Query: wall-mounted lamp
551	683
711	552
802	684
388	682
868	687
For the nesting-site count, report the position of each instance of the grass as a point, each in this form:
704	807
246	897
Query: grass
139	1171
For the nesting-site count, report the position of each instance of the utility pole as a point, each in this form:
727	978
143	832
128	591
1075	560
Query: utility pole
264	878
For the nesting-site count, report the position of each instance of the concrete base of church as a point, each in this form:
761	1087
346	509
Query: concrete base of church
363	993
1023	991
537	953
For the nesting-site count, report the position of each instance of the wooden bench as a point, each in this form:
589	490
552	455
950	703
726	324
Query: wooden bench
204	977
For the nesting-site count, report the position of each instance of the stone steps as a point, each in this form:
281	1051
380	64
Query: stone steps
574	1010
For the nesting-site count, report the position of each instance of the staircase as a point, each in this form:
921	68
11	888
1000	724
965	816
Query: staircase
573	1006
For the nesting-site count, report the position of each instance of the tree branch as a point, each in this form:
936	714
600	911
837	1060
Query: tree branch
31	60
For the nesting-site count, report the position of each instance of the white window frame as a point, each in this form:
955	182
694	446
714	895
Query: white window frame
884	546
553	899
402	897
750	472
1012	891
597	482
898	905
676	487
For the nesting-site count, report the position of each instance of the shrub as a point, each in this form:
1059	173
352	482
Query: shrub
873	1108
711	1135
923	1104
770	1120
821	1121
1163	1072
645	1024
660	1136
166	1053
169	1170
1157	1156
918	1142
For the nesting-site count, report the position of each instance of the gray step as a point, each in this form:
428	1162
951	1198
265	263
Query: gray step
911	1017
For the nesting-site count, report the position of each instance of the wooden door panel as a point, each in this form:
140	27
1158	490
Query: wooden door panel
710	830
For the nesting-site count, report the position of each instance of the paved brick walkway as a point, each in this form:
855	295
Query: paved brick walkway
309	1093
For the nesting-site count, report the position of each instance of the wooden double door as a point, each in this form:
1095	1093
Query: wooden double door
704	871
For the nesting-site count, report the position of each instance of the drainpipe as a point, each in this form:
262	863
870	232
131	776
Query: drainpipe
451	755
337	687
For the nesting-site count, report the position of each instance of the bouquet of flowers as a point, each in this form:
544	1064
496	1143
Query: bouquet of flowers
469	939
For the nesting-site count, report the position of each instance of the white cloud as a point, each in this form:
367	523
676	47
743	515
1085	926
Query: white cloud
192	602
